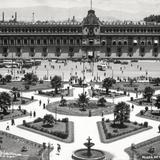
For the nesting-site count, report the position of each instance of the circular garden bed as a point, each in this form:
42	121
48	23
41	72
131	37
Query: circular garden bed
72	108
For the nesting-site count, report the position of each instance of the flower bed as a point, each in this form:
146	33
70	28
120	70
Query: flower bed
146	150
99	92
153	115
73	109
13	115
62	130
61	92
17	147
110	132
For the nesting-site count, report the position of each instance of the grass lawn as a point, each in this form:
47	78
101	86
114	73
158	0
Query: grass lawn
145	149
21	86
61	92
143	102
154	115
125	86
109	133
13	115
54	132
73	109
12	145
23	99
98	94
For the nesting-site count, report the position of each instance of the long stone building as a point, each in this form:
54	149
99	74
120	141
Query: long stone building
89	38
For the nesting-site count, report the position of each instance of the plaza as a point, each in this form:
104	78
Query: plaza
83	126
62	82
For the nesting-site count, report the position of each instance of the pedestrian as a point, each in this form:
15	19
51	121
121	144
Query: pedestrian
30	114
7	128
132	107
58	147
44	106
40	102
102	113
48	100
34	114
12	122
159	128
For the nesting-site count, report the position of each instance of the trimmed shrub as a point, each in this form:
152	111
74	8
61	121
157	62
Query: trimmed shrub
135	123
24	122
131	98
107	120
65	120
145	124
41	81
24	111
23	101
146	109
141	112
27	87
140	103
38	120
108	135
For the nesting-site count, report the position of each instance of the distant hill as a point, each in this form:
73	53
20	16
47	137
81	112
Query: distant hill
51	13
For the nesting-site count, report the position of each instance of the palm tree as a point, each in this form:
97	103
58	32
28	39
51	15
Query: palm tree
101	102
56	83
107	83
48	119
14	92
5	102
8	78
121	112
83	101
3	80
148	93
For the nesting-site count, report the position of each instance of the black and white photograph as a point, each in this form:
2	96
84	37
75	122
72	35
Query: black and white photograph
79	80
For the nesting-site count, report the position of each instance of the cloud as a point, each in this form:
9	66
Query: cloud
133	6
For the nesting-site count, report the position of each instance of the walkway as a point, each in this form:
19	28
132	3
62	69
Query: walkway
83	127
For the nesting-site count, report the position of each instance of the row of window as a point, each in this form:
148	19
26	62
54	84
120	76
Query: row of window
70	54
41	30
40	41
130	30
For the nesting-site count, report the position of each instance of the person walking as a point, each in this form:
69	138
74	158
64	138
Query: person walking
40	103
34	114
12	122
7	128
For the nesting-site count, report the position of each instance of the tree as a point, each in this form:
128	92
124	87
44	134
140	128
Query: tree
14	92
101	102
30	78
8	78
63	102
156	81
131	81
121	112
107	83
56	83
5	102
80	81
3	80
48	119
158	102
83	101
148	93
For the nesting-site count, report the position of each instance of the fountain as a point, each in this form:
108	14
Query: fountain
88	153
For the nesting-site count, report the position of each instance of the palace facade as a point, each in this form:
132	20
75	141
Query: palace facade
89	38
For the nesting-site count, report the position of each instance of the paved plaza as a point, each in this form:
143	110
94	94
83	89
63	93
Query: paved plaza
83	127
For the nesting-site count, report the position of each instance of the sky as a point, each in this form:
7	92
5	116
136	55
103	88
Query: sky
131	6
